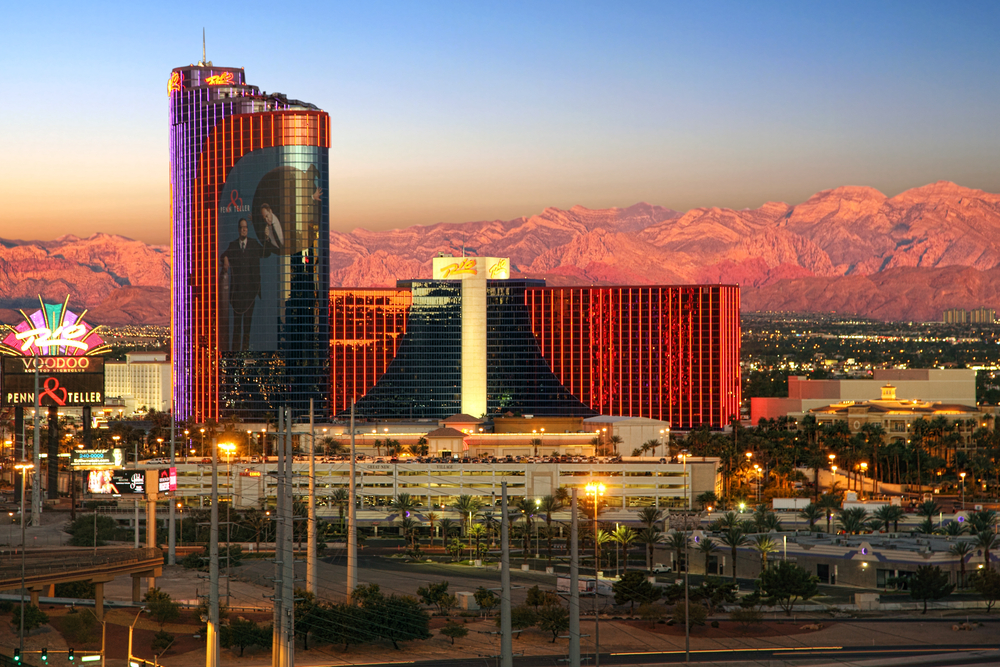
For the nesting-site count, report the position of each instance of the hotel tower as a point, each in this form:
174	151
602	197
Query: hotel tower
250	210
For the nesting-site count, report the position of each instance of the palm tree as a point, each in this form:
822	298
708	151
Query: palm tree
734	538
954	528
614	441
707	499
829	502
928	509
650	446
446	526
650	537
535	443
987	540
678	541
431	518
340	498
764	544
467	505
962	550
983	520
812	513
853	520
332	446
625	536
890	514
526	507
707	547
548	505
650	516
477	533
408	528
727	521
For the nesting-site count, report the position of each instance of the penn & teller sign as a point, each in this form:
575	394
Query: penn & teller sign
62	381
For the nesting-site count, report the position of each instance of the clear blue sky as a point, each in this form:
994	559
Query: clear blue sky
466	111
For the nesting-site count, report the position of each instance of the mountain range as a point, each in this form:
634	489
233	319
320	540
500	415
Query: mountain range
850	250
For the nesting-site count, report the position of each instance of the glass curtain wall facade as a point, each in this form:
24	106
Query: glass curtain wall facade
667	353
250	313
366	329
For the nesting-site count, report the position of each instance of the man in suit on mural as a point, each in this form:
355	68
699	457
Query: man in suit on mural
241	279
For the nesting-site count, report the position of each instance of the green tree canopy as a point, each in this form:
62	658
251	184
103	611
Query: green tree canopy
785	583
929	582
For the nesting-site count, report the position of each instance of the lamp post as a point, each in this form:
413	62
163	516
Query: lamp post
757	472
962	475
833	479
228	448
159	446
24	468
130	629
202	442
596	489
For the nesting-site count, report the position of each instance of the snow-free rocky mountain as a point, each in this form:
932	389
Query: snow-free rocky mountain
849	250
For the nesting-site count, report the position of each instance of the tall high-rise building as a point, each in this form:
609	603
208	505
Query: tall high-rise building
249	196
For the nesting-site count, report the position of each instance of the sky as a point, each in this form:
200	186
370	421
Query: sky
451	112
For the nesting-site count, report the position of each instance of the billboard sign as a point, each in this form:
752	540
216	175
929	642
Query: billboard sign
167	480
53	330
116	482
82	459
62	381
460	268
270	213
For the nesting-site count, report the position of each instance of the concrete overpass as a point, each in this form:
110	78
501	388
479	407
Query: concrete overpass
44	568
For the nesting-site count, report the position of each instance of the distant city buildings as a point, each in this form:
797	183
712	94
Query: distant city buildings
976	316
142	382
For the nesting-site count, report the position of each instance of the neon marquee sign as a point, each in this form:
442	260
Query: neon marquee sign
53	330
466	266
224	79
174	84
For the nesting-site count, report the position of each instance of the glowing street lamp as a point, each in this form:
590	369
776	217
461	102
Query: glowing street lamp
595	489
962	475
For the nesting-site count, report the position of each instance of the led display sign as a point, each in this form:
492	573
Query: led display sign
53	330
82	459
116	482
457	268
167	480
60	390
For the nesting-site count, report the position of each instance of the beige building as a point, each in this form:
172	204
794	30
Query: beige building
931	385
142	382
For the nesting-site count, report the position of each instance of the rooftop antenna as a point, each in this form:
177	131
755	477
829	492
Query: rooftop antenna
204	60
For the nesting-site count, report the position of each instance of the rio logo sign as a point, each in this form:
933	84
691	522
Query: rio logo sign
53	330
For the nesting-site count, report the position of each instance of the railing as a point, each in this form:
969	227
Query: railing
11	568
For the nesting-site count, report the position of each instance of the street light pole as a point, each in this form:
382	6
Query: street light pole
24	468
962	475
596	489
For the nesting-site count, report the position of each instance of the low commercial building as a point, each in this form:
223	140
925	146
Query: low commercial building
141	382
932	385
629	486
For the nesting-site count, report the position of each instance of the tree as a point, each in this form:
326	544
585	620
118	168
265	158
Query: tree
634	587
698	613
812	513
486	599
929	583
547	506
707	547
340	499
468	506
678	541
162	608
454	630
829	503
982	521
962	550
707	499
432	594
987	541
162	641
890	514
82	530
539	598
522	617
734	538
853	520
242	633
625	536
395	618
715	591
785	583
554	619
306	616
33	617
987	584
649	537
764	545
77	627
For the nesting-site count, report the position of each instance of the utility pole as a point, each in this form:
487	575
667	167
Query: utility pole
288	554
36	476
506	644
279	531
574	587
311	539
352	526
172	516
212	639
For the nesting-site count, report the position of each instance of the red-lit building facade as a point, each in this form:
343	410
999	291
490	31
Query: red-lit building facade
669	353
